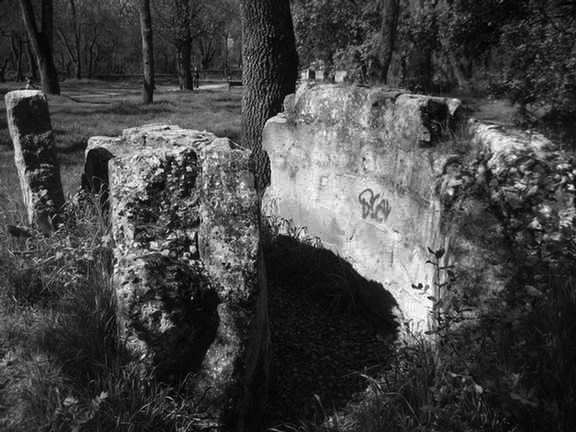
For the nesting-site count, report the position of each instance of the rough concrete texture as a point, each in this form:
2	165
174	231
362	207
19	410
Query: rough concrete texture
188	273
523	179
35	157
357	167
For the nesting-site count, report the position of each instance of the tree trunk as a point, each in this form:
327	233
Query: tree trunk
16	47
77	40
420	67
92	56
42	43
183	65
183	42
3	70
388	31
463	83
147	51
33	67
270	72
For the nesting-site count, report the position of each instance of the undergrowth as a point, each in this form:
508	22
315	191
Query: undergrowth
63	363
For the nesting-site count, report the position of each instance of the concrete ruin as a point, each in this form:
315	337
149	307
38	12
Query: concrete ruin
188	269
356	167
375	174
35	156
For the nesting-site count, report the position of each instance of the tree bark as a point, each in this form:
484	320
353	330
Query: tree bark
77	39
183	42
42	43
147	51
270	72
388	32
461	79
32	62
420	66
92	56
16	48
3	70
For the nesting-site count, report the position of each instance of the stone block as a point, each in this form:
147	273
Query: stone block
188	272
35	156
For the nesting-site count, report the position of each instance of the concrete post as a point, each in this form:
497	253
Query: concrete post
35	157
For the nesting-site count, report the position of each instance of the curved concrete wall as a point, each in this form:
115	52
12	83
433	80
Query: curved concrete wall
358	167
366	170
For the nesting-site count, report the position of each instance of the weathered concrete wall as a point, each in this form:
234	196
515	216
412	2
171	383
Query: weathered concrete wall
369	173
35	156
511	214
357	167
188	271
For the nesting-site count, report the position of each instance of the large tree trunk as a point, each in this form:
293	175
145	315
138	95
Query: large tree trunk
270	71
183	43
42	43
147	51
388	31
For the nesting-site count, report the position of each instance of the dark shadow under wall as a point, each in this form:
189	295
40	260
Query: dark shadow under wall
325	340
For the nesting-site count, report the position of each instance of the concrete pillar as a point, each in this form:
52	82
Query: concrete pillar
189	275
35	157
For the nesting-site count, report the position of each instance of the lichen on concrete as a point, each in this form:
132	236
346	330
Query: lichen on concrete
35	156
188	270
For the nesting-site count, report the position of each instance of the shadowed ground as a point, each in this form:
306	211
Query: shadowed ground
324	343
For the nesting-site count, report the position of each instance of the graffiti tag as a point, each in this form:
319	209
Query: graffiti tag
373	206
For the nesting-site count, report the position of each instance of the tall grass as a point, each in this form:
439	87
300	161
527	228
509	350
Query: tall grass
65	364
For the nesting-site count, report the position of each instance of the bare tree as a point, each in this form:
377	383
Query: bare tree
147	51
42	40
390	11
270	71
73	47
17	51
183	41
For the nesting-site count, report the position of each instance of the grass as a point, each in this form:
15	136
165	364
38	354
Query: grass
64	365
